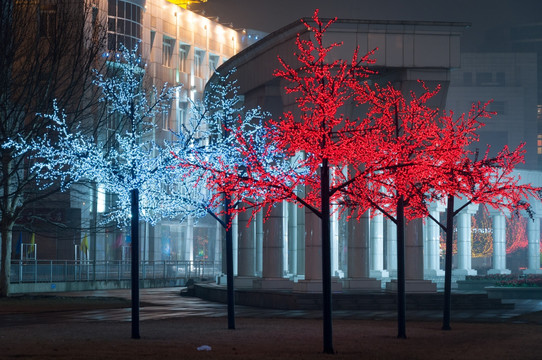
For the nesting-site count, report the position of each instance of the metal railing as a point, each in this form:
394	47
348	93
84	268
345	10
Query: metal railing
34	271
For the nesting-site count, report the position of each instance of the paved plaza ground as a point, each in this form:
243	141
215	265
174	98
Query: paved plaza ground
96	325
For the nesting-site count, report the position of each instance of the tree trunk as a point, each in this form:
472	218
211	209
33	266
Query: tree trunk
7	220
326	260
229	265
6	228
401	291
448	264
135	262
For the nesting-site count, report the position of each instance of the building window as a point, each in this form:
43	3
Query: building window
183	115
484	79
199	56
467	79
499	107
500	79
47	21
539	144
165	118
183	58
213	63
123	24
167	51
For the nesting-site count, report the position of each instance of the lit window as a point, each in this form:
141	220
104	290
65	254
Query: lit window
165	119
183	58
199	56
182	120
167	51
539	144
213	63
165	116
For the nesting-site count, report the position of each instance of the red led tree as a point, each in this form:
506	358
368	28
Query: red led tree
392	160
483	181
328	140
408	144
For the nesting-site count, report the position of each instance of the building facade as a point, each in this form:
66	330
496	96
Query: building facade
284	251
179	47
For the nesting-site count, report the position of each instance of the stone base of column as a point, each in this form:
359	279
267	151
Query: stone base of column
499	271
315	286
296	278
379	274
273	284
413	286
361	284
532	271
433	272
244	282
221	279
464	272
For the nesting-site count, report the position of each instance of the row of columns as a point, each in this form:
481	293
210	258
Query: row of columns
287	246
464	243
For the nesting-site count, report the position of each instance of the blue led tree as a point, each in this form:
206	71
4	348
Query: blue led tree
130	164
231	143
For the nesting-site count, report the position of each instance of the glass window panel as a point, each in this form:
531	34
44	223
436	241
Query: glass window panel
111	42
120	26
111	26
121	9
112	8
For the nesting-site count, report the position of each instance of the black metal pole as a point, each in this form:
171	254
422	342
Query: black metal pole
448	265
229	265
401	291
326	261
135	262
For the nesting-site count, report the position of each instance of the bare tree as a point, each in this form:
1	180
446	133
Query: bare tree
49	48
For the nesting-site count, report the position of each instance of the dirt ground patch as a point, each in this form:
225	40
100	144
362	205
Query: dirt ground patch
45	303
267	339
48	336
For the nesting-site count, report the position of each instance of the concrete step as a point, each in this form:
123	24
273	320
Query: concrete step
377	300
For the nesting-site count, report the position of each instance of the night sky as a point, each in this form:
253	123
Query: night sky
491	20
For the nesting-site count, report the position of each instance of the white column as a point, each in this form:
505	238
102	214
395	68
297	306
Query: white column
376	247
533	235
313	246
273	244
358	237
259	243
292	238
285	240
300	242
357	270
432	243
335	270
391	251
235	244
246	262
464	242
499	243
219	246
189	241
